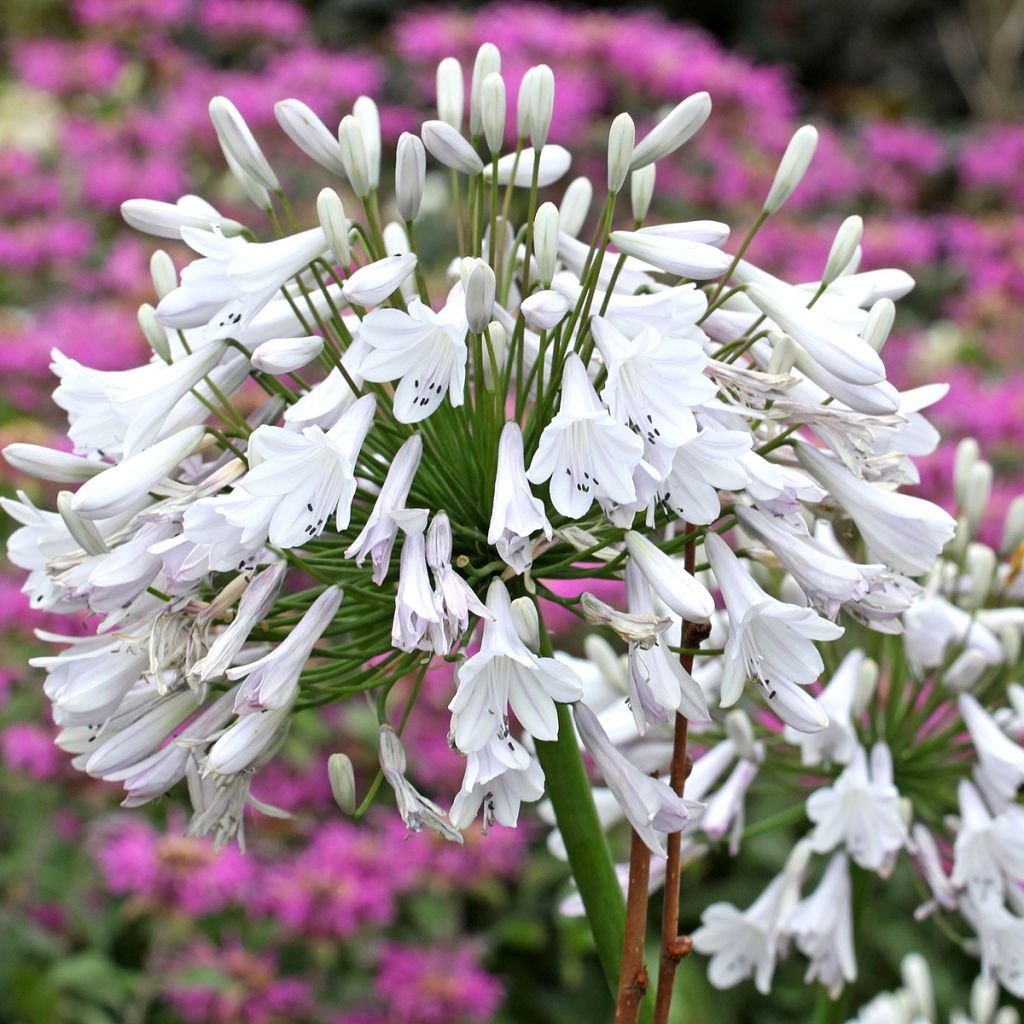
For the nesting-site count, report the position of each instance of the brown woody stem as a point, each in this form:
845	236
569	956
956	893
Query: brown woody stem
633	978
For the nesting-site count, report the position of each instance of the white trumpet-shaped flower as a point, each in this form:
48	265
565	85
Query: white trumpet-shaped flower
678	256
861	811
515	513
1000	771
583	451
499	777
705	463
650	805
427	350
505	674
987	855
770	641
372	284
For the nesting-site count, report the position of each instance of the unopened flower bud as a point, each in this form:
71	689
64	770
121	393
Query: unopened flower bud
493	111
575	206
154	332
965	671
526	622
621	137
86	535
163	274
238	141
792	167
917	980
410	176
255	192
979	489
545	241
365	112
984	998
544	309
536	104
310	134
334	224
448	147
844	247
497	342
1013	527
450	92
783	353
1010	638
286	355
967	454
343	782
641	191
49	464
981	569
867	683
881	317
479	284
488	62
439	541
354	155
372	284
672	131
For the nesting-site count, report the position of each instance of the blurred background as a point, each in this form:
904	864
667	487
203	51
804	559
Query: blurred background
111	916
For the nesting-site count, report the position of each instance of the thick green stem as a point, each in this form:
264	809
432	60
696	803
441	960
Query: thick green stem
589	856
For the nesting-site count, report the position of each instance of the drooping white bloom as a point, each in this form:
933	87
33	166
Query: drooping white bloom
505	673
658	684
246	741
415	809
515	512
822	925
905	532
650	805
372	284
654	382
309	475
583	451
725	807
377	538
125	485
696	260
770	641
1000	771
416	611
837	742
987	852
669	579
272	682
861	810
703	464
499	777
1002	944
427	350
285	355
453	596
745	943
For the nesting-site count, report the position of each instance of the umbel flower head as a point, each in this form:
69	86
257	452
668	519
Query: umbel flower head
547	411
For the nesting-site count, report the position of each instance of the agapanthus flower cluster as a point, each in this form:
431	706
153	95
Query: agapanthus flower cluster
342	462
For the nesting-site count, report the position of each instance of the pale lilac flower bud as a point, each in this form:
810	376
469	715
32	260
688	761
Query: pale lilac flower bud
479	284
49	464
492	111
410	176
372	284
343	782
167	219
366	113
354	155
239	144
784	353
448	147
285	355
488	62
696	260
526	620
545	309
439	542
572	214
162	273
881	317
844	248
792	167
334	225
672	131
554	162
85	533
247	740
310	134
450	92
120	487
621	137
545	241
669	580
867	684
641	191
